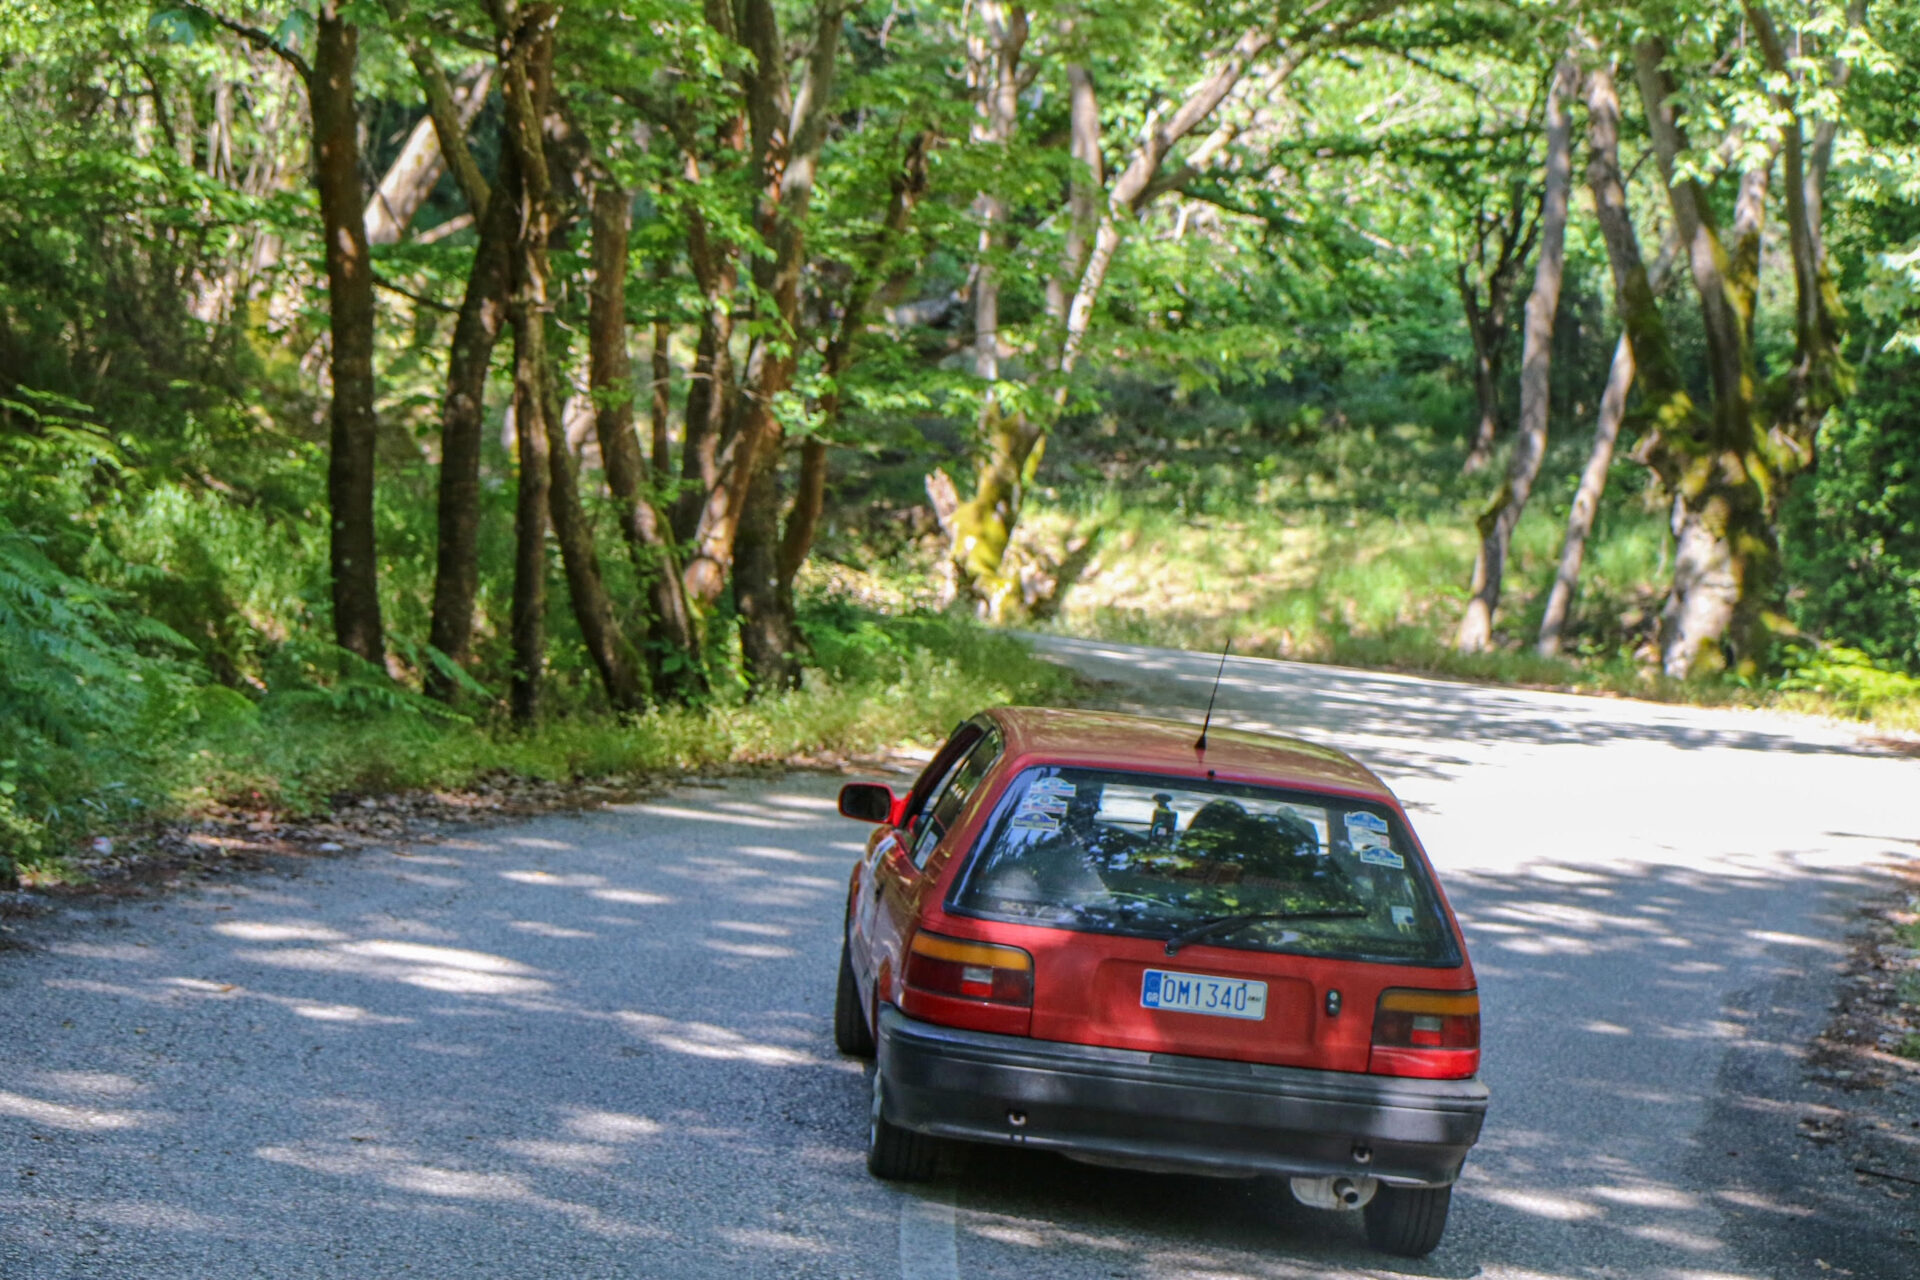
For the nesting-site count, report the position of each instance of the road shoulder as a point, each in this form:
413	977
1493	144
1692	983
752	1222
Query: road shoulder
1812	1144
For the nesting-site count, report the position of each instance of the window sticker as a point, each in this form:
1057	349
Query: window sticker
1026	821
1058	787
1381	856
1043	804
1403	916
1366	831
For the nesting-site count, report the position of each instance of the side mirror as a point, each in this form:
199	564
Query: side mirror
867	801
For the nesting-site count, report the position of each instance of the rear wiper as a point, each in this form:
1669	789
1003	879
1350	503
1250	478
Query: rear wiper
1229	924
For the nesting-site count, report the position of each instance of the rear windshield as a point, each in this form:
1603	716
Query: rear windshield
1146	856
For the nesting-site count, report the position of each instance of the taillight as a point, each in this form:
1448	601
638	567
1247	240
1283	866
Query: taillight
970	970
1434	1035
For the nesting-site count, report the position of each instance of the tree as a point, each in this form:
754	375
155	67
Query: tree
329	82
1530	441
526	38
983	522
642	525
1729	465
1593	477
1493	251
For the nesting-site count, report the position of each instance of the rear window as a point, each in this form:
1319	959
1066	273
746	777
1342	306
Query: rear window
1146	856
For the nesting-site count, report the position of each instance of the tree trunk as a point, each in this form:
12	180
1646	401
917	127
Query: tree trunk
612	653
1486	382
1586	498
611	381
410	179
809	499
994	66
789	128
350	465
1530	443
983	525
709	404
985	521
1083	187
1514	236
766	631
450	115
462	422
529	621
659	402
1593	480
1726	555
527	82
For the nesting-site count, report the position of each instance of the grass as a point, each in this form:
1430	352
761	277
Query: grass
1354	546
875	682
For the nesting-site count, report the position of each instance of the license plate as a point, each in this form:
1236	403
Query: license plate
1198	993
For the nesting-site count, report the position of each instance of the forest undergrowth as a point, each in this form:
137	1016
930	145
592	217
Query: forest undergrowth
177	751
1354	547
1347	537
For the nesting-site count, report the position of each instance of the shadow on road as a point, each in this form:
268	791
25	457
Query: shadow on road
1412	712
544	1045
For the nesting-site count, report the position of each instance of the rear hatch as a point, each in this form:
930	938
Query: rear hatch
1287	913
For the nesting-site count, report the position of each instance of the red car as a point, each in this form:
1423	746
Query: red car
1091	933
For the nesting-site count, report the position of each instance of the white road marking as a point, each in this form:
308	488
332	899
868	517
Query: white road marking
929	1249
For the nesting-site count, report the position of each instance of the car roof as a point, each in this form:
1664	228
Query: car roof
1116	740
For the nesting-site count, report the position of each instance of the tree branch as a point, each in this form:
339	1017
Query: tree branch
255	37
404	292
449	126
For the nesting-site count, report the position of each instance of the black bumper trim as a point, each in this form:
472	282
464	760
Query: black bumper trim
1167	1111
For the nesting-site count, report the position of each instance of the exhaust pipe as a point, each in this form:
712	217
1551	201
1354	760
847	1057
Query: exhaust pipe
1339	1193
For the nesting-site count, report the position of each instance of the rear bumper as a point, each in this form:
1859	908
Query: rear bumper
1158	1110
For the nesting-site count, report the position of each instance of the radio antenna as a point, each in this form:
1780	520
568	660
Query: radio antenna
1200	743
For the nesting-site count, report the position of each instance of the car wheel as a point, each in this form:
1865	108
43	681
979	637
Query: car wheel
1407	1221
851	1034
893	1153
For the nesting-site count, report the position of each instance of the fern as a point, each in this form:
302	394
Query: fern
80	670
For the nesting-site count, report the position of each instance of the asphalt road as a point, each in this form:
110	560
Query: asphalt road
599	1045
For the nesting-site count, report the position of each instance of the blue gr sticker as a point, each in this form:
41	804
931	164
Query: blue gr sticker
1367	822
1383	857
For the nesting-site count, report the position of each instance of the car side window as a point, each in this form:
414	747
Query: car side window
958	743
951	796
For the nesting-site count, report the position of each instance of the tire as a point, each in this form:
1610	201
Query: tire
851	1034
1407	1221
893	1153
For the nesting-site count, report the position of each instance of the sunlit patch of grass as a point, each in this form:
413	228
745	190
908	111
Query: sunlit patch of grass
1349	586
1356	546
1846	682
